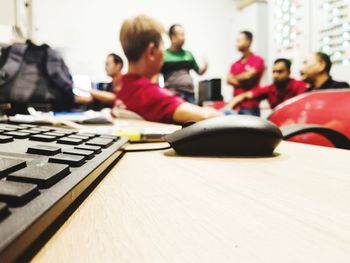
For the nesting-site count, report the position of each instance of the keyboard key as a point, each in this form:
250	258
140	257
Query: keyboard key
51	128
17	134
88	134
31	132
64	132
96	149
16	194
5	138
41	129
8	165
81	137
4	211
71	160
28	125
14	126
44	150
87	154
5	129
70	141
104	143
108	136
43	175
10	126
56	134
42	138
19	127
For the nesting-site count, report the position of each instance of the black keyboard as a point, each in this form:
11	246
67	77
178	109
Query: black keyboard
43	170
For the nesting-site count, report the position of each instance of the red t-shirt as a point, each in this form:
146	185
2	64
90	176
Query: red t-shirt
276	96
240	66
147	99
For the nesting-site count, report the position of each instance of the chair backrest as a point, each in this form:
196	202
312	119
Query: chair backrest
329	108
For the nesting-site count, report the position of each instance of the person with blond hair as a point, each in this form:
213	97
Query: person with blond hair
141	40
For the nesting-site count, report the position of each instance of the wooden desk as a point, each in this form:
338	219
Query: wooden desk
158	207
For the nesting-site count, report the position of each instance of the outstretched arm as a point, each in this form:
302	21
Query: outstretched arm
83	100
203	69
239	99
103	96
188	112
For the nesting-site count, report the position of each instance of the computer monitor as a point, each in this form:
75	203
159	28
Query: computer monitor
209	90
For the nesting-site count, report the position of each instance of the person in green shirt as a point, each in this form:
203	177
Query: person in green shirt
177	65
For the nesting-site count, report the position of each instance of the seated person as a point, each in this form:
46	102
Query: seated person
316	71
177	65
141	39
282	88
105	94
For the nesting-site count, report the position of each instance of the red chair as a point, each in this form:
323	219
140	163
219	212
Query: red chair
327	109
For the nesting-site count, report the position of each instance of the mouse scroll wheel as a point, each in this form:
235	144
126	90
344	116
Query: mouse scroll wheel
189	123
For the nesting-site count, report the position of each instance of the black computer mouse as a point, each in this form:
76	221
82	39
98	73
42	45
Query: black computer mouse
235	135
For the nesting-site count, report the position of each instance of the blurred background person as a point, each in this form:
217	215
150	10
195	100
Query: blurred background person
104	95
141	40
316	70
283	87
245	74
177	65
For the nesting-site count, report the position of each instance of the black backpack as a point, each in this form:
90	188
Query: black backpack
36	76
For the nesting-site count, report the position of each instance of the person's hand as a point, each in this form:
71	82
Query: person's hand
235	101
203	69
205	66
212	112
119	104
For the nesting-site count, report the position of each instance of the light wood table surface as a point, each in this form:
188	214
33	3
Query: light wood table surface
159	207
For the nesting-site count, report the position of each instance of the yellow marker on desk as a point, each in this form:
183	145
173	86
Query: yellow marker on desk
142	135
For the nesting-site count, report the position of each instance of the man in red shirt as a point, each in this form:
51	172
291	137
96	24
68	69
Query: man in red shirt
282	88
245	74
141	39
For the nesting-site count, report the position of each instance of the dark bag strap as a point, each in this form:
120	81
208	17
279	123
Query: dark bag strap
57	70
338	139
13	63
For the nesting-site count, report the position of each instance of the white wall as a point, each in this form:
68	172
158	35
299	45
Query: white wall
7	12
86	30
15	20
